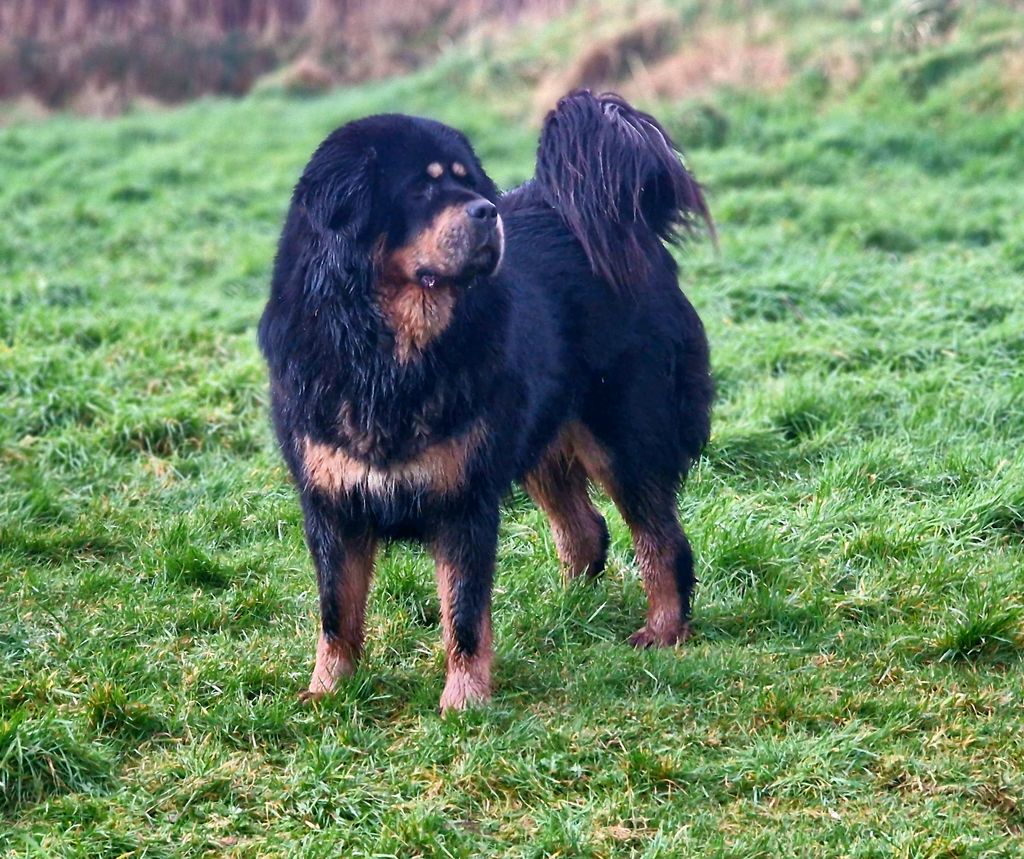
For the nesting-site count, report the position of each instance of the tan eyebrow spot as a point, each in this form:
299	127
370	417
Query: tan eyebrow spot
459	169
435	170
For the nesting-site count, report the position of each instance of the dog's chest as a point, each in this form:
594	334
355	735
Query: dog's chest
381	437
436	468
388	448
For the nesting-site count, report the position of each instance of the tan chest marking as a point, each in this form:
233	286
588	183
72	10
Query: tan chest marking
440	468
416	315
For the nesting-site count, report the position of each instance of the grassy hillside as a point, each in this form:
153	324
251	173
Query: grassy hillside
101	56
854	685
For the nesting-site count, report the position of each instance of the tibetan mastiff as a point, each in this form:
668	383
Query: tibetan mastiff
432	340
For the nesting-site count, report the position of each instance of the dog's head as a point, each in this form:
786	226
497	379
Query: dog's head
406	197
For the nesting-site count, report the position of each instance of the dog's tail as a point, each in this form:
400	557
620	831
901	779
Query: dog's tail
619	182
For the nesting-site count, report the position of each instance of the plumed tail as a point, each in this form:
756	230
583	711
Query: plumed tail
619	182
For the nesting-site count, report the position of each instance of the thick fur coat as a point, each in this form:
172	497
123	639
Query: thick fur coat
431	341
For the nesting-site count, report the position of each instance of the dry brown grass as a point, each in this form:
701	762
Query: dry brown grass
618	57
97	56
306	75
720	56
612	59
656	59
1013	76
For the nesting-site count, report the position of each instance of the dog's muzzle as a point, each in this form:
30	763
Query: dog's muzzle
488	238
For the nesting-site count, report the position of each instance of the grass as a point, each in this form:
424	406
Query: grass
854	685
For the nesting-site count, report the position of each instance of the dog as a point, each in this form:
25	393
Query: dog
431	341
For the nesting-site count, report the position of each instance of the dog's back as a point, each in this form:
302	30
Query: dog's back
610	192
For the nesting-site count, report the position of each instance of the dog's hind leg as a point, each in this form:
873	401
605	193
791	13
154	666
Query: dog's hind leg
344	566
647	503
558	485
646	497
666	565
464	552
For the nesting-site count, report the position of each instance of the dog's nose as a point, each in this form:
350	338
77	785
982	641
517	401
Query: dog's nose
482	210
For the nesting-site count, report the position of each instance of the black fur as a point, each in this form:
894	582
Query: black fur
616	177
583	322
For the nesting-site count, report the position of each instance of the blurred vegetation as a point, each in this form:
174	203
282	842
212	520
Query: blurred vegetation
103	56
854	685
106	56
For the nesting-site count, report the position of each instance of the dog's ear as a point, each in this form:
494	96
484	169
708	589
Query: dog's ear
336	190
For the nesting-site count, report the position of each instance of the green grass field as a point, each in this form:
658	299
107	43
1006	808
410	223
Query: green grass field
854	686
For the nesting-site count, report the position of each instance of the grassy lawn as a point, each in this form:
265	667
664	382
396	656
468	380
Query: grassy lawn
854	687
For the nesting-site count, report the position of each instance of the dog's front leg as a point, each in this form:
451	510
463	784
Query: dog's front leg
464	552
343	556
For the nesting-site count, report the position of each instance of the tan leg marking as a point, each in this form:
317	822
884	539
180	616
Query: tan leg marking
588	450
559	487
333	662
656	554
336	656
440	467
656	549
468	680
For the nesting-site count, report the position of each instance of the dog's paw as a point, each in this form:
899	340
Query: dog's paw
334	662
461	693
325	678
647	637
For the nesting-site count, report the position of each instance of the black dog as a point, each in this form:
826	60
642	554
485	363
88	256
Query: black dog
431	341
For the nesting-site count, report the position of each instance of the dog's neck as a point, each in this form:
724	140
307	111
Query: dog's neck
415	314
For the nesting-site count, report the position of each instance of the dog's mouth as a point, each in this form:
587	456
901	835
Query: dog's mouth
454	253
428	279
481	263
